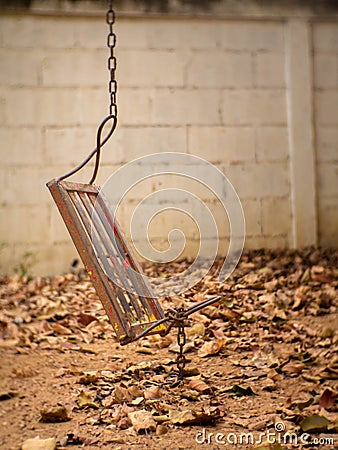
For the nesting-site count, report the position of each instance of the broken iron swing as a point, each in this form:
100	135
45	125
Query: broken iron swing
128	300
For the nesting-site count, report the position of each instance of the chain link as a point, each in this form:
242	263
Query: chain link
181	341
111	43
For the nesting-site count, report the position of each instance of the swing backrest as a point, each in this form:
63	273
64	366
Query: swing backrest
108	259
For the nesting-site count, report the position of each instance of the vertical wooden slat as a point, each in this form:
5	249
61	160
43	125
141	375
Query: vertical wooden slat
86	252
145	291
123	265
75	202
100	236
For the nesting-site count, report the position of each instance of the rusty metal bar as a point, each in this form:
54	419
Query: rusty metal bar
105	256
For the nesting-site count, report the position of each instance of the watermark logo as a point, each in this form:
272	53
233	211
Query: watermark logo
278	434
180	182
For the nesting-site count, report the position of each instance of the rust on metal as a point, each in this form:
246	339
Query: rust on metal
113	269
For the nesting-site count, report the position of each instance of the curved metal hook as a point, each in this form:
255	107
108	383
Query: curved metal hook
99	145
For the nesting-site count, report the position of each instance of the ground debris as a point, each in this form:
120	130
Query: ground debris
266	352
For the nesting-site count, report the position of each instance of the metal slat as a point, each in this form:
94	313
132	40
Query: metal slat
105	239
87	221
130	282
153	307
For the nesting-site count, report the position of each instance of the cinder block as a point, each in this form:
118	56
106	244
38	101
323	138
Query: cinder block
68	146
26	186
20	67
220	69
75	68
136	142
25	225
151	68
276	216
161	186
191	107
328	222
173	34
89	33
21	146
44	107
255	242
7	258
106	170
326	107
53	259
3	109
327	144
222	144
327	174
263	107
253	36
259	180
131	33
253	217
38	32
57	231
134	106
272	143
325	36
326	70
270	70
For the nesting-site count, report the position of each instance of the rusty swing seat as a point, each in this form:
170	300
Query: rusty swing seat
111	262
127	298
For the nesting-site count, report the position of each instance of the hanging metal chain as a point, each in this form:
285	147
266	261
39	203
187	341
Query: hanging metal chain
112	86
181	341
111	43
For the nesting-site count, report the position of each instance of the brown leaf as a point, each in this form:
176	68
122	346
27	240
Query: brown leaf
293	367
85	319
327	399
211	347
152	392
84	400
199	385
191	417
142	421
89	378
314	424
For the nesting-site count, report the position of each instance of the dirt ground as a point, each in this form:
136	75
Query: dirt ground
262	362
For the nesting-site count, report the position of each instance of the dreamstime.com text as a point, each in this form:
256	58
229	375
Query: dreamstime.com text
276	435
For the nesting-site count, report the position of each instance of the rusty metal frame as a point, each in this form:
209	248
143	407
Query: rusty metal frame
131	315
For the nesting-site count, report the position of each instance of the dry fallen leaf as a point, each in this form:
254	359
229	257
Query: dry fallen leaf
211	348
199	385
152	392
314	424
327	399
142	421
191	417
85	401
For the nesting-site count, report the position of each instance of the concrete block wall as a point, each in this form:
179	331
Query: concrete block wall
219	89
325	45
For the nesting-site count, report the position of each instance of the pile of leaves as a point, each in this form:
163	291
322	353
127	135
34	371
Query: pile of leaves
264	356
